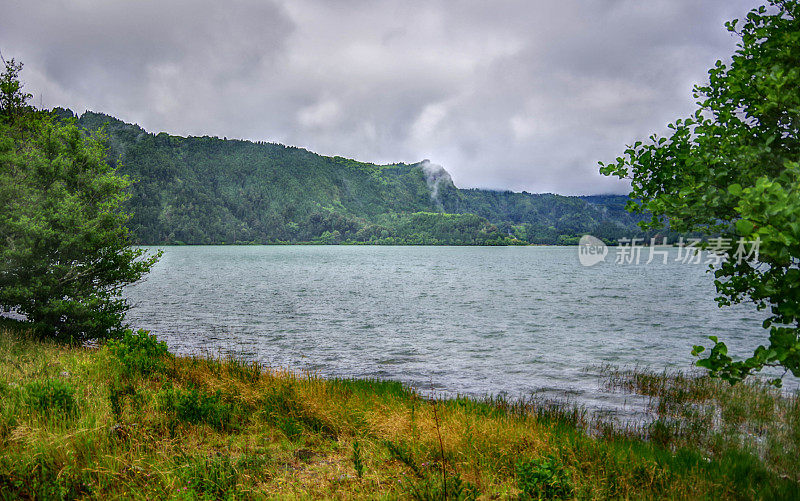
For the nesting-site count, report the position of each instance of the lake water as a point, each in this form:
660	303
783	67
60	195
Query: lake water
467	320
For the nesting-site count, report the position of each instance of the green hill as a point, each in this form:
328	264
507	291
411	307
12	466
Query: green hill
205	190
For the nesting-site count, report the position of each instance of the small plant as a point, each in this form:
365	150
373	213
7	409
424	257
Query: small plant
52	397
278	402
358	462
42	477
195	406
441	448
140	353
290	427
247	372
661	432
434	489
211	477
116	396
543	478
401	452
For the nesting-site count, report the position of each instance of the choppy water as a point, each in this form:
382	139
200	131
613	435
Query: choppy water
468	320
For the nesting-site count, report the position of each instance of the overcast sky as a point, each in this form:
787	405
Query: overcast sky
522	95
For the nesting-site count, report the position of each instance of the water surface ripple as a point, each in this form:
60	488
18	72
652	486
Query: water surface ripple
468	320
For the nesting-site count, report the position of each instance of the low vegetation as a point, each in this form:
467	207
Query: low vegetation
130	420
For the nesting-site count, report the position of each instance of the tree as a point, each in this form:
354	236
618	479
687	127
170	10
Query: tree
731	170
65	254
13	101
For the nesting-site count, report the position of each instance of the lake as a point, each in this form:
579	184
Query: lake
459	320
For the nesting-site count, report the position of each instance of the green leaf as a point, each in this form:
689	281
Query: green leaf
705	363
744	227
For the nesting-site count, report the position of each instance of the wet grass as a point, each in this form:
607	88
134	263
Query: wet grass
131	421
689	410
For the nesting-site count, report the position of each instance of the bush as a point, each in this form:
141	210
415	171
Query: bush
140	352
66	252
543	478
52	397
195	406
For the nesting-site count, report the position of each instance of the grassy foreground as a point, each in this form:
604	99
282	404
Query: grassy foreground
129	420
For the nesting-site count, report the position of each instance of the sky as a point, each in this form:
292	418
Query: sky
521	95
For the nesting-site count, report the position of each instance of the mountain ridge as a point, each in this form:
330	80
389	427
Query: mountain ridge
207	190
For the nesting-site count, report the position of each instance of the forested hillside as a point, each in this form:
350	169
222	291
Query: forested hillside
206	190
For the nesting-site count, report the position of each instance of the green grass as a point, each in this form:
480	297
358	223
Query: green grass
715	418
129	420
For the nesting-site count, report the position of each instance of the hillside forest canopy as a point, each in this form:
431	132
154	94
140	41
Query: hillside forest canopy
207	190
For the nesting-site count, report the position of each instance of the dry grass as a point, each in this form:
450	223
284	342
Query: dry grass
200	428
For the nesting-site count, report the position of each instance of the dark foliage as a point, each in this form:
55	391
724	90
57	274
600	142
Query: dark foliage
206	190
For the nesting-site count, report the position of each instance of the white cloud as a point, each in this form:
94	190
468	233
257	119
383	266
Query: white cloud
324	113
512	94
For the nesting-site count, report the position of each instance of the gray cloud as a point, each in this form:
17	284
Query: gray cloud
523	95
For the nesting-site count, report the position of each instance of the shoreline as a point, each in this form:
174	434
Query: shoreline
129	419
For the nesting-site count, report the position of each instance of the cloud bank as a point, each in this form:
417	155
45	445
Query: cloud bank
522	95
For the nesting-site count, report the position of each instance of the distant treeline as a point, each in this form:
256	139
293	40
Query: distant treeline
206	190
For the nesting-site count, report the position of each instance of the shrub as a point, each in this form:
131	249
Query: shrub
543	478
195	406
52	397
66	252
140	352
